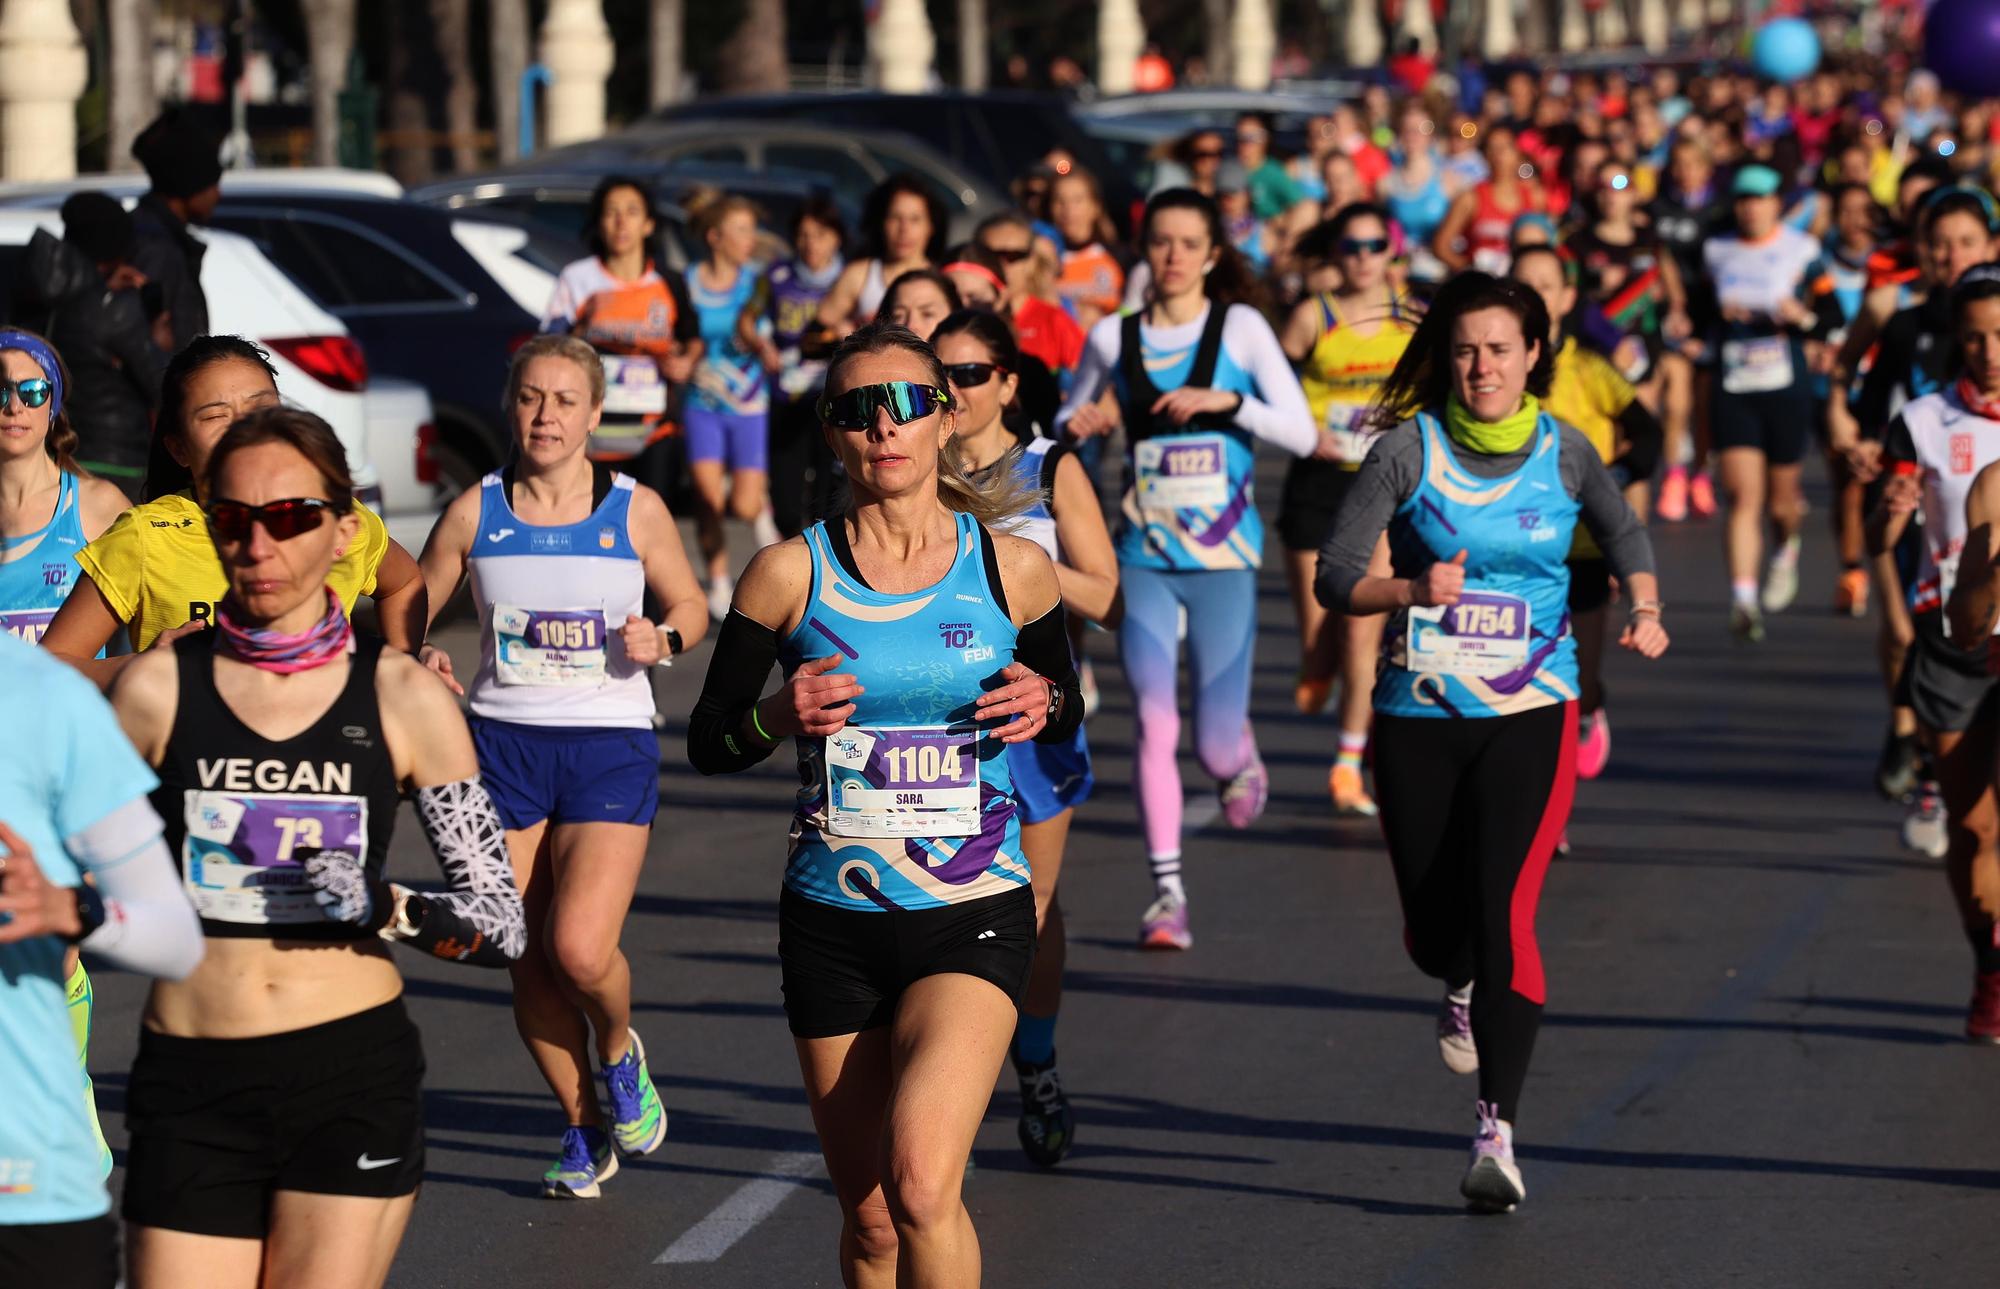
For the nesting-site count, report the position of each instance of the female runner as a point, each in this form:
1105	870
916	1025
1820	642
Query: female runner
903	228
1201	380
561	552
276	1102
917	646
1480	491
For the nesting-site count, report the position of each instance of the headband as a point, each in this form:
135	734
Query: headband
977	270
38	349
1984	198
1974	276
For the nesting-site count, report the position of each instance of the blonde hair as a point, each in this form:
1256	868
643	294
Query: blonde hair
556	345
707	207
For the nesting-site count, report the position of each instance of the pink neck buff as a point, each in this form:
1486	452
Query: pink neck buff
275	651
1975	402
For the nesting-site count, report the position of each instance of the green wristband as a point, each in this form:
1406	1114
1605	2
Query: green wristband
757	723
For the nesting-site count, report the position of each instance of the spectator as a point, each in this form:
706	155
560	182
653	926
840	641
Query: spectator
180	161
1272	191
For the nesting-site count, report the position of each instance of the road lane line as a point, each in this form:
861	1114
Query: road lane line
750	1204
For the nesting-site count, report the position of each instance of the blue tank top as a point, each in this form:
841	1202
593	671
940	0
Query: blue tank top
1418	212
729	378
34	586
909	806
1506	646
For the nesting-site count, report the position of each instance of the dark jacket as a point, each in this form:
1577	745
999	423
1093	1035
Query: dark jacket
170	257
105	340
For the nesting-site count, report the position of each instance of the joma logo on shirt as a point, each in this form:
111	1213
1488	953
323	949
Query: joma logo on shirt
242	774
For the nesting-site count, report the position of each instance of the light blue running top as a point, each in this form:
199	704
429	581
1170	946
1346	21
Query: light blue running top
34	586
730	378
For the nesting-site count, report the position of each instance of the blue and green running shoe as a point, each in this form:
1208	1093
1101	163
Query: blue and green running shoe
587	1159
638	1121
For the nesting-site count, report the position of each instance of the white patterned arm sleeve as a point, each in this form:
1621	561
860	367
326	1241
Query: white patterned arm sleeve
477	919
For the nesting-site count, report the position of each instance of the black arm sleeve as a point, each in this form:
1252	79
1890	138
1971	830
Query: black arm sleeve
1643	439
745	650
1898	445
1043	647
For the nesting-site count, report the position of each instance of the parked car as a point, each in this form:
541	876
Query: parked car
401	434
320	367
125	185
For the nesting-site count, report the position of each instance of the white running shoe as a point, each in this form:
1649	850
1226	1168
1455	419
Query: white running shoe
1493	1183
1924	827
765	529
720	592
1454	1028
1781	585
1086	683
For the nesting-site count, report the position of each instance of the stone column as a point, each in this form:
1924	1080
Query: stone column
1499	37
1612	28
1252	44
576	48
1417	22
1653	25
1363	34
1573	33
1690	18
901	47
1121	38
43	71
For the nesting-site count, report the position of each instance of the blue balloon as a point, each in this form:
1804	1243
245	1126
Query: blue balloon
1962	45
1785	50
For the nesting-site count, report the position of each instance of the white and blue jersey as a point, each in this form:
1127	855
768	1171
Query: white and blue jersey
729	378
910	805
75	771
1506	646
34	584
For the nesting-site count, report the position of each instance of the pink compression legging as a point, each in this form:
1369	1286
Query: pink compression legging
1221	643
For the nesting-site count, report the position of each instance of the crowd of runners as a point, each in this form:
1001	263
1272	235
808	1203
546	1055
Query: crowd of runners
1490	334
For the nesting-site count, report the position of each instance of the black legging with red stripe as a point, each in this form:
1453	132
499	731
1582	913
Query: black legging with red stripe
1472	809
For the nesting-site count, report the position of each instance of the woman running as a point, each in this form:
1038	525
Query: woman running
729	404
561	552
283	743
155	573
1090	279
919	300
640	322
1480	490
1477	231
917	646
1346	341
782	327
1045	331
1199	378
903	228
1625	271
1417	192
1050	780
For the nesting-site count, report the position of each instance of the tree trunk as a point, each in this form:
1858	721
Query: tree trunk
330	33
669	52
752	60
972	45
129	31
507	49
451	25
1215	15
411	75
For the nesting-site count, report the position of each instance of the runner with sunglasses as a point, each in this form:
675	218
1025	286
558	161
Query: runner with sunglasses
1347	342
1044	329
1050	780
276	1102
917	646
1480	490
561	552
154	572
1201	379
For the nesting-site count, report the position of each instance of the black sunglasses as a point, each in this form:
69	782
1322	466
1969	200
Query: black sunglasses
972	375
231	521
1362	245
1206	154
1012	254
906	400
32	392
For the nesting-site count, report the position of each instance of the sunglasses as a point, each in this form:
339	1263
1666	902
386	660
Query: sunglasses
906	400
231	521
1011	254
972	375
33	392
1362	245
1206	154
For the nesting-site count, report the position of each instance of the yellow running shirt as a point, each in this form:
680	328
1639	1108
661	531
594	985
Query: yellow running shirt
158	570
1344	371
1588	393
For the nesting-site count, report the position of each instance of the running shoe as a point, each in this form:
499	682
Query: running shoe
1493	1184
1781	585
1701	495
1455	1032
638	1121
1164	925
1593	745
1243	797
1897	771
1673	503
1746	623
1047	1129
1086	684
1311	693
1982	1022
721	591
1850	594
1924	826
765	529
1350	794
587	1159
1562	843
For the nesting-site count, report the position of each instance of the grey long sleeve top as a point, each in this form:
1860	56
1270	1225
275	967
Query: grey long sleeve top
1394	468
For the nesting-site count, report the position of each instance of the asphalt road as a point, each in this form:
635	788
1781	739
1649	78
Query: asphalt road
1750	1070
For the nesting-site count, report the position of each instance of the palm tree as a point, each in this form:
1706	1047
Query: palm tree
752	60
330	33
507	48
129	32
670	52
451	23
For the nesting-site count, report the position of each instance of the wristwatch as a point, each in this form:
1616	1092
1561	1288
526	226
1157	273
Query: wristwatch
674	646
408	918
1055	701
89	913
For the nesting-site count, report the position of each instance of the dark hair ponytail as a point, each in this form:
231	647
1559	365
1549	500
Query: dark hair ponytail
1422	379
1230	280
165	475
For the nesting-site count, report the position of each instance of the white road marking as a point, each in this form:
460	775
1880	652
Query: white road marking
750	1204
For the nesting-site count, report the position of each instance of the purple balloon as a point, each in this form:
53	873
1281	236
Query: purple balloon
1962	45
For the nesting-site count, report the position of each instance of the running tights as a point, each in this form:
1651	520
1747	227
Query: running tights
1221	638
1472	810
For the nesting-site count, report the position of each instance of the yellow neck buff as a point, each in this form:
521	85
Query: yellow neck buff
1494	438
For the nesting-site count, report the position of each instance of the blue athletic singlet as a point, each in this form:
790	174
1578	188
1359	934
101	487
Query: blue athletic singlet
729	377
911	804
1506	646
34	586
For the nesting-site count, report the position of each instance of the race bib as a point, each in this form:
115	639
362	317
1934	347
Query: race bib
633	386
1484	635
1757	366
243	859
1352	435
1182	473
562	647
620	439
27	625
909	782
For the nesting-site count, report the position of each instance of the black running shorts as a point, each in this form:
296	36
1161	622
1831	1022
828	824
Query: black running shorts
60	1255
218	1124
1948	688
1310	500
845	970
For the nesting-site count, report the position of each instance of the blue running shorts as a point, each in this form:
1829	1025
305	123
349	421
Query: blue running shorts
1049	778
568	774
